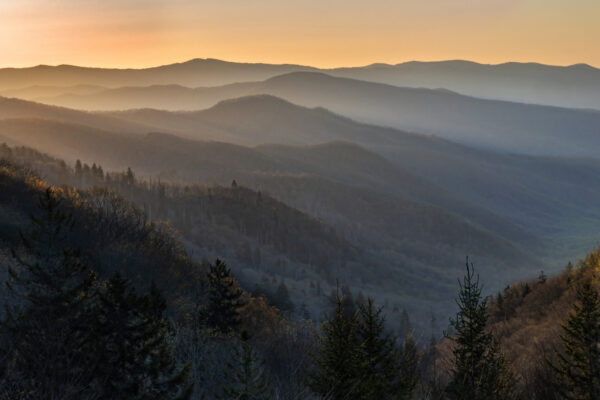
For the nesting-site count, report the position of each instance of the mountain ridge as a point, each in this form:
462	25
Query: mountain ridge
527	82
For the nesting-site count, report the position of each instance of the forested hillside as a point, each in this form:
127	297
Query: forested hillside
361	239
529	321
97	240
111	236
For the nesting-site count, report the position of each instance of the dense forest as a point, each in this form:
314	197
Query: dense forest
122	287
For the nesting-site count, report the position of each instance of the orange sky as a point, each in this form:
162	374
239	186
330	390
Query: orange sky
324	33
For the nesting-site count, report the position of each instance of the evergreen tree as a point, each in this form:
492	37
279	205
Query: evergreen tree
578	368
46	334
408	371
337	361
132	338
281	298
480	371
100	173
224	299
247	379
349	305
405	325
129	177
78	168
387	371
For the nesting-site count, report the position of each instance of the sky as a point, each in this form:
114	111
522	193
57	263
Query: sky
322	33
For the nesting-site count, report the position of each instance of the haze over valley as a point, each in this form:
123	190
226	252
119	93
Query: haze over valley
259	229
485	178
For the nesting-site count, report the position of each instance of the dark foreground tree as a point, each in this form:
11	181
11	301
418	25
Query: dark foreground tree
137	361
480	371
224	299
246	376
45	339
387	371
578	367
337	361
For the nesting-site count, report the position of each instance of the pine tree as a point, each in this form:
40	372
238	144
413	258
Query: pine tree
578	368
408	371
405	325
100	173
337	361
282	298
247	379
129	177
224	299
47	333
387	371
132	338
480	371
78	168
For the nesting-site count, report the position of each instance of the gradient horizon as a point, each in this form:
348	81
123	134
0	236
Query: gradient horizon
145	33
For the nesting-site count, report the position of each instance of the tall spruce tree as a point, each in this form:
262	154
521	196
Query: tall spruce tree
409	365
246	375
480	371
337	362
224	299
137	361
47	332
578	367
387	371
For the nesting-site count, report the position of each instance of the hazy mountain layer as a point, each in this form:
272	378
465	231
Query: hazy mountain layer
196	72
575	86
498	125
376	235
533	193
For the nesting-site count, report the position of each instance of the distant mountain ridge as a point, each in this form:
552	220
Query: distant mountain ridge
491	124
575	86
192	73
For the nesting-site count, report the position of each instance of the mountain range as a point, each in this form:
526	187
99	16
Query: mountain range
488	124
410	180
576	86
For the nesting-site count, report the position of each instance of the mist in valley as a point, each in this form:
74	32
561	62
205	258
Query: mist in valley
290	219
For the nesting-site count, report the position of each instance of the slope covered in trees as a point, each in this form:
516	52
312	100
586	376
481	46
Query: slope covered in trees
93	287
535	324
83	272
272	242
526	342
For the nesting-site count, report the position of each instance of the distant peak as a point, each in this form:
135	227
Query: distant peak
259	99
378	65
204	60
447	62
301	74
582	66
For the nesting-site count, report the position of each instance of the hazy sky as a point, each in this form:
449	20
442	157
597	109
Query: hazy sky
323	33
